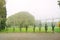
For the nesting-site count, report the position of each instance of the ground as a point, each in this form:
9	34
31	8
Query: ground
29	36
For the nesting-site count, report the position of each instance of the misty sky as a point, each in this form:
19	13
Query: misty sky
41	9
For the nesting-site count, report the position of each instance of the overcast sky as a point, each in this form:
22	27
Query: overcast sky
41	9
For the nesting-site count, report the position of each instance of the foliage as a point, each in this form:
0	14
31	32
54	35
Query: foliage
2	2
2	14
21	19
30	29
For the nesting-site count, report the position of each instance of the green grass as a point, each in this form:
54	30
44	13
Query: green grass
30	29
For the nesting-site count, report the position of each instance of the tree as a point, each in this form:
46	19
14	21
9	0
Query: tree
34	28
46	27
21	19
40	25
59	25
53	26
2	14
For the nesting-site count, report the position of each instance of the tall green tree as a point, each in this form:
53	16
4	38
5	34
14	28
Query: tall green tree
2	14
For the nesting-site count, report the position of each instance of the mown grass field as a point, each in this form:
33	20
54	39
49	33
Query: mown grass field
30	29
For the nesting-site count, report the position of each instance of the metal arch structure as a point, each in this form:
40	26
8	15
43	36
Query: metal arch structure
51	19
59	7
59	3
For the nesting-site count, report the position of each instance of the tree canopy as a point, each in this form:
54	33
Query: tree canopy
2	2
21	18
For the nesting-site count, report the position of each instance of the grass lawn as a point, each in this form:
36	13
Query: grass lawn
30	29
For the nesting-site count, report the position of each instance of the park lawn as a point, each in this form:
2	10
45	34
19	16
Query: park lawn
30	29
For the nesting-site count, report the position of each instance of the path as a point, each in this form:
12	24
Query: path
29	36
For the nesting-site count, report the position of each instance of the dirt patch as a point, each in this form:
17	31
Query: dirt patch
29	36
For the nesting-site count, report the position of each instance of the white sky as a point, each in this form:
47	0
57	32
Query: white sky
41	9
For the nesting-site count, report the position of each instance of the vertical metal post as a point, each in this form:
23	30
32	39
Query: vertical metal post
59	7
